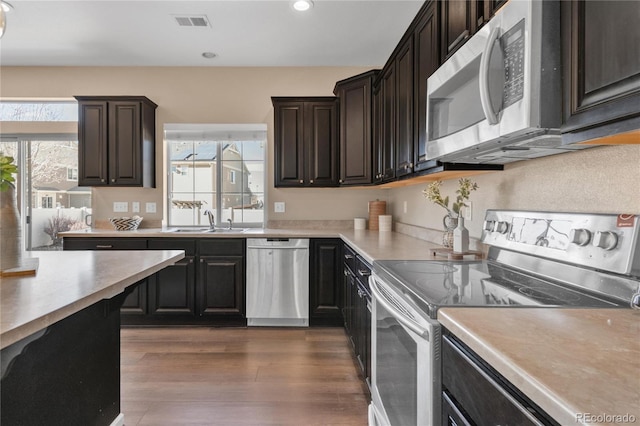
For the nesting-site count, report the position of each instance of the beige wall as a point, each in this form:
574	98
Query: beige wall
603	179
198	95
599	180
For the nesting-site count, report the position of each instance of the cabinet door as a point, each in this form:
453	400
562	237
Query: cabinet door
458	24
136	301
92	147
427	60
378	150
388	124
125	143
602	68
325	282
404	109
171	290
355	132
221	286
289	143
321	125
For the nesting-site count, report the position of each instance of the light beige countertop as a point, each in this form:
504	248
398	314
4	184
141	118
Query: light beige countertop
371	245
69	281
573	363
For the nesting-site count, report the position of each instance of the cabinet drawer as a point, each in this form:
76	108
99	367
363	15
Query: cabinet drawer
188	245
349	258
104	244
485	397
363	270
222	246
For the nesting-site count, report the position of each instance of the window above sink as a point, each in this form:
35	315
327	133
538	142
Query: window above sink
218	168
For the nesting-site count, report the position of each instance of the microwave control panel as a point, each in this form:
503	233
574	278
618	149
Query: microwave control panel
512	43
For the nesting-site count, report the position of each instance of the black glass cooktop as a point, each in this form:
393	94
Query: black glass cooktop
478	284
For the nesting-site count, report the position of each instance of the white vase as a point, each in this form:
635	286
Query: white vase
460	237
10	234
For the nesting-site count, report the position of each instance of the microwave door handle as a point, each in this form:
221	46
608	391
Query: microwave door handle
411	325
485	96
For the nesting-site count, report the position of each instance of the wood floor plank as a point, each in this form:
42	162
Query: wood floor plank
240	376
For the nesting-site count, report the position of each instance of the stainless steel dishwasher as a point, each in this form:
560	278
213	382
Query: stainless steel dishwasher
278	282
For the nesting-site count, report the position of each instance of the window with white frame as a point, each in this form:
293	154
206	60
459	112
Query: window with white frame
72	173
216	167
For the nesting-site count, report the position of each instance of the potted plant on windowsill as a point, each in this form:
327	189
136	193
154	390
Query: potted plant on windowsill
10	234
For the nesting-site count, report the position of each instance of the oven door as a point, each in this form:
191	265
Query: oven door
405	356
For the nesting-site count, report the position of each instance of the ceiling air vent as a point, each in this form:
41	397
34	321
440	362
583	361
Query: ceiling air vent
192	21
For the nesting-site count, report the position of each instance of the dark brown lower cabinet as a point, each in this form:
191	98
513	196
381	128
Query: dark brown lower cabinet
474	393
325	290
207	287
357	309
220	286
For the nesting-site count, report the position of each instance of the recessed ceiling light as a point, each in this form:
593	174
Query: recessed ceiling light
209	55
302	5
7	7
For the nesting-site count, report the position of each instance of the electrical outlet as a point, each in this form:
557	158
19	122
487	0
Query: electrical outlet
135	207
150	207
120	206
467	211
278	207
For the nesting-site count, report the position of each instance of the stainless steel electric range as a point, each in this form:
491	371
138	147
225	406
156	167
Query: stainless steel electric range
536	259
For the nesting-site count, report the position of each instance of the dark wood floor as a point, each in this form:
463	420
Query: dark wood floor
240	376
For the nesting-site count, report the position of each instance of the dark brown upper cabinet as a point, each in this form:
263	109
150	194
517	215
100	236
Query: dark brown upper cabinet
404	109
387	124
356	133
601	69
427	59
306	141
458	20
116	141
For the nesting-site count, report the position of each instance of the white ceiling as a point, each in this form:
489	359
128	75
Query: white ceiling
242	33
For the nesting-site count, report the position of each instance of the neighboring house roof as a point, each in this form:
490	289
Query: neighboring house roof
79	189
205	152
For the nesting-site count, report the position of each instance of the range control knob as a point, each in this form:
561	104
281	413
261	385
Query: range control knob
605	239
488	225
581	237
502	227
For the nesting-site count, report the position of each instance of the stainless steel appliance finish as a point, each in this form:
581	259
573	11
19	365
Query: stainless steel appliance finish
277	282
538	259
498	99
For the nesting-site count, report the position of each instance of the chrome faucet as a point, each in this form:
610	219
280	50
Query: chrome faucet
230	223
212	219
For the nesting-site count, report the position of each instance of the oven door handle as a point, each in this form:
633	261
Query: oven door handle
410	324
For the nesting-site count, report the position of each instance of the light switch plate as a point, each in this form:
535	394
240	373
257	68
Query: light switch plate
150	207
135	207
278	207
120	207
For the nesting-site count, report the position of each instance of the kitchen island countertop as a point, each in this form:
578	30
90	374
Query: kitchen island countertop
67	282
371	245
582	366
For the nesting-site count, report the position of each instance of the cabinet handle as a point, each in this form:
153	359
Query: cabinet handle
301	181
363	272
104	246
113	180
311	181
201	260
102	180
341	181
190	260
348	256
410	165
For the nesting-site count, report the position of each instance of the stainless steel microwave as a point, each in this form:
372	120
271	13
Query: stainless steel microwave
498	98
